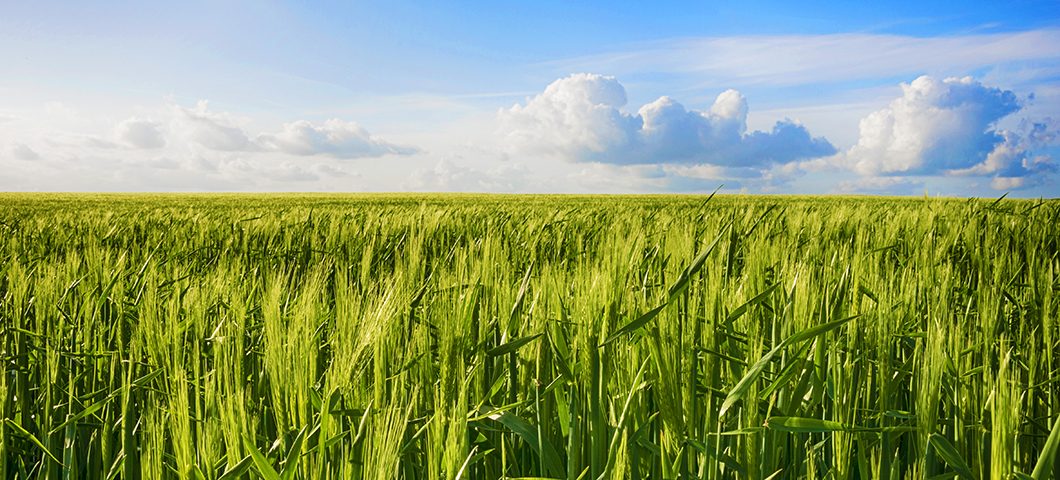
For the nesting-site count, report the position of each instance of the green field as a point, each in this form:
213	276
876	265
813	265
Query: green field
571	337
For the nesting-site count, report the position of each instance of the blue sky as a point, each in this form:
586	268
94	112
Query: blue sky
613	97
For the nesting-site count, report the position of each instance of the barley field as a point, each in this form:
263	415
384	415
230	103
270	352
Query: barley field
568	337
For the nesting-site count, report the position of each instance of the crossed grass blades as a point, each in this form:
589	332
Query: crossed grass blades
482	337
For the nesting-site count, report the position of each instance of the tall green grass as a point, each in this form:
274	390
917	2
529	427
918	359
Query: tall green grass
481	337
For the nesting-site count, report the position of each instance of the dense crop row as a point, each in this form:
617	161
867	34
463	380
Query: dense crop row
478	337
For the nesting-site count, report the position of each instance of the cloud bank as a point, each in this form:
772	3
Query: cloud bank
580	119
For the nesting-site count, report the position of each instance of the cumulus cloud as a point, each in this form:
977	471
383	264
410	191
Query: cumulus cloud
934	126
22	152
140	133
948	127
575	118
580	119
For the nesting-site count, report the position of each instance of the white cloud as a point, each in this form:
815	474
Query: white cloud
336	137
1040	133
140	133
879	186
579	119
446	176
1007	183
934	126
1003	155
58	109
712	172
573	118
212	130
602	177
619	178
97	142
948	127
244	171
163	163
223	131
22	152
330	171
171	147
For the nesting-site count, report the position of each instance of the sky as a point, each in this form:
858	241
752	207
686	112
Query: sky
940	98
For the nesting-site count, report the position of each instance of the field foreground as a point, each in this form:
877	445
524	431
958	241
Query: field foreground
481	337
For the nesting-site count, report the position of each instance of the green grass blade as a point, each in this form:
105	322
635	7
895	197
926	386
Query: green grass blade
520	298
238	470
512	345
260	462
750	303
806	425
752	373
634	325
115	468
360	426
322	427
82	414
748	379
686	276
290	464
1045	460
23	433
945	450
730	462
616	435
528	433
467	462
815	331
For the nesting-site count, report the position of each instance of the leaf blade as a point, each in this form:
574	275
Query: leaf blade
512	345
951	456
